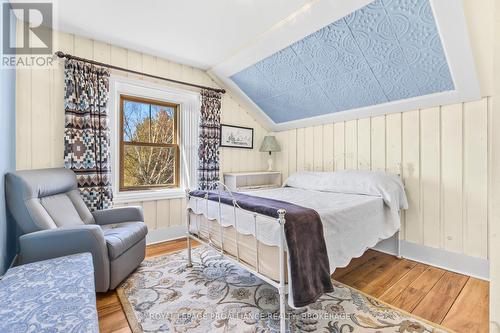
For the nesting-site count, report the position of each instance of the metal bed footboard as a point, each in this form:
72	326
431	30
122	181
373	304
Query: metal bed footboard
281	284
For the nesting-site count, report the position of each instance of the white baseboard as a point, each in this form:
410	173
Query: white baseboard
452	261
166	234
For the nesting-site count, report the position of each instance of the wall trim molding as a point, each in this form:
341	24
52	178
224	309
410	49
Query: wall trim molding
452	261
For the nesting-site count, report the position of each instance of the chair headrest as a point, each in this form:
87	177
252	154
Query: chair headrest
40	183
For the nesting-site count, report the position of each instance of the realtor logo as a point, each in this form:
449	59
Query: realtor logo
36	34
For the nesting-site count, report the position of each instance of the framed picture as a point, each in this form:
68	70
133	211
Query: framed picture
236	136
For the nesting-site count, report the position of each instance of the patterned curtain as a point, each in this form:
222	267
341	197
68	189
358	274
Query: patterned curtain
208	151
86	135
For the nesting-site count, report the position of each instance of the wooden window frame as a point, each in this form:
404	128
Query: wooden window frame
124	143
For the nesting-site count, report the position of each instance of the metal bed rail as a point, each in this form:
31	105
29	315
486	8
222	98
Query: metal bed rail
281	284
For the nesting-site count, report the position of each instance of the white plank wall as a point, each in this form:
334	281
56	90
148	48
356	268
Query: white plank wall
430	170
378	143
444	156
40	116
328	149
411	171
451	180
475	204
339	146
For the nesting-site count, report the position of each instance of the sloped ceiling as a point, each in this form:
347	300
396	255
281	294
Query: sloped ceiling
193	32
386	51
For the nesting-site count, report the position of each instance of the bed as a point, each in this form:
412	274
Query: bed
357	210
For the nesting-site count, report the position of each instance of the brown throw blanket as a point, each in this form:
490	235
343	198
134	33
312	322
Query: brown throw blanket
308	259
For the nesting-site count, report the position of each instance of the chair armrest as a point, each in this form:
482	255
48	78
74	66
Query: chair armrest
119	215
54	243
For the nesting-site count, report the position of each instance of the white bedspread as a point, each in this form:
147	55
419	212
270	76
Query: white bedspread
352	223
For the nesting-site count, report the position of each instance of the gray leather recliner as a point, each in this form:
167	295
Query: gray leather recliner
55	222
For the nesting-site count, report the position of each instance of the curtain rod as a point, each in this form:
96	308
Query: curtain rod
69	56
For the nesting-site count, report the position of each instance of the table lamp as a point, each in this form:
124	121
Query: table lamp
270	144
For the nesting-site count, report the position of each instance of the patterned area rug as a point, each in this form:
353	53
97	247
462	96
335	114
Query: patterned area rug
218	296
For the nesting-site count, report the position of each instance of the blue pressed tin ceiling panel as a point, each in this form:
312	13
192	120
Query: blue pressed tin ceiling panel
386	51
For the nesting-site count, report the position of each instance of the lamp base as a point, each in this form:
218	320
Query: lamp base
270	163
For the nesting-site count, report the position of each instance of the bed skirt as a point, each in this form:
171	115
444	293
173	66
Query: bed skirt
210	231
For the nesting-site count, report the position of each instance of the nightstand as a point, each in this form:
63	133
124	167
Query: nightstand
251	181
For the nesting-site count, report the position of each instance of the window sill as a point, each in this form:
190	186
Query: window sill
148	195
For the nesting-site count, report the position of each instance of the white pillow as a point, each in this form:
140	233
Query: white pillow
382	184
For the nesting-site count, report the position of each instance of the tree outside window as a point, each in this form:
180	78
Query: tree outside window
149	150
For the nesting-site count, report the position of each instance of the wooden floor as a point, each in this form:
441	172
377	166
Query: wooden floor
453	300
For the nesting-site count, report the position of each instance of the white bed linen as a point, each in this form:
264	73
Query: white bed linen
352	223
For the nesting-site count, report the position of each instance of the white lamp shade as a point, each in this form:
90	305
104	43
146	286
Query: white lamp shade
270	144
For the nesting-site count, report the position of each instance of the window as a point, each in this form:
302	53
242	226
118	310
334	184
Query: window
149	148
